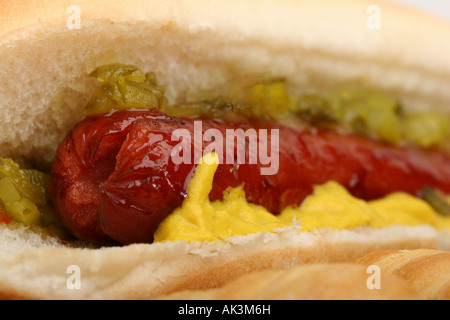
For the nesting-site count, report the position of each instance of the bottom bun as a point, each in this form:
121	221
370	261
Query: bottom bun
428	271
333	281
34	267
402	275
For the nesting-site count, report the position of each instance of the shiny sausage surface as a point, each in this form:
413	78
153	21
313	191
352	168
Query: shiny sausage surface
114	179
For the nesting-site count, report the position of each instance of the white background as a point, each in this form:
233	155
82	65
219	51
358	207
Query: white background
438	7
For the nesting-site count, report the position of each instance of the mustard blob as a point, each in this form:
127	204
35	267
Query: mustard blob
329	206
199	219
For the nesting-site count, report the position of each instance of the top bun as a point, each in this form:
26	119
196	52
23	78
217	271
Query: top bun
202	47
198	48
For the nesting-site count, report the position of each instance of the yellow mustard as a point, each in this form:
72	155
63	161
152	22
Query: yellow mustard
330	206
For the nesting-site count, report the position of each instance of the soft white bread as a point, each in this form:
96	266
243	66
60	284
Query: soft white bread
198	48
202	47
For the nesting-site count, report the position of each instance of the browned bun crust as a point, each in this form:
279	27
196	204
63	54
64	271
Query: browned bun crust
200	49
306	282
403	274
427	270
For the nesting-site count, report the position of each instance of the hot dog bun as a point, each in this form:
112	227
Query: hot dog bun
425	274
199	48
35	269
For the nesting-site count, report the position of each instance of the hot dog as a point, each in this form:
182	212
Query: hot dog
206	50
108	159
